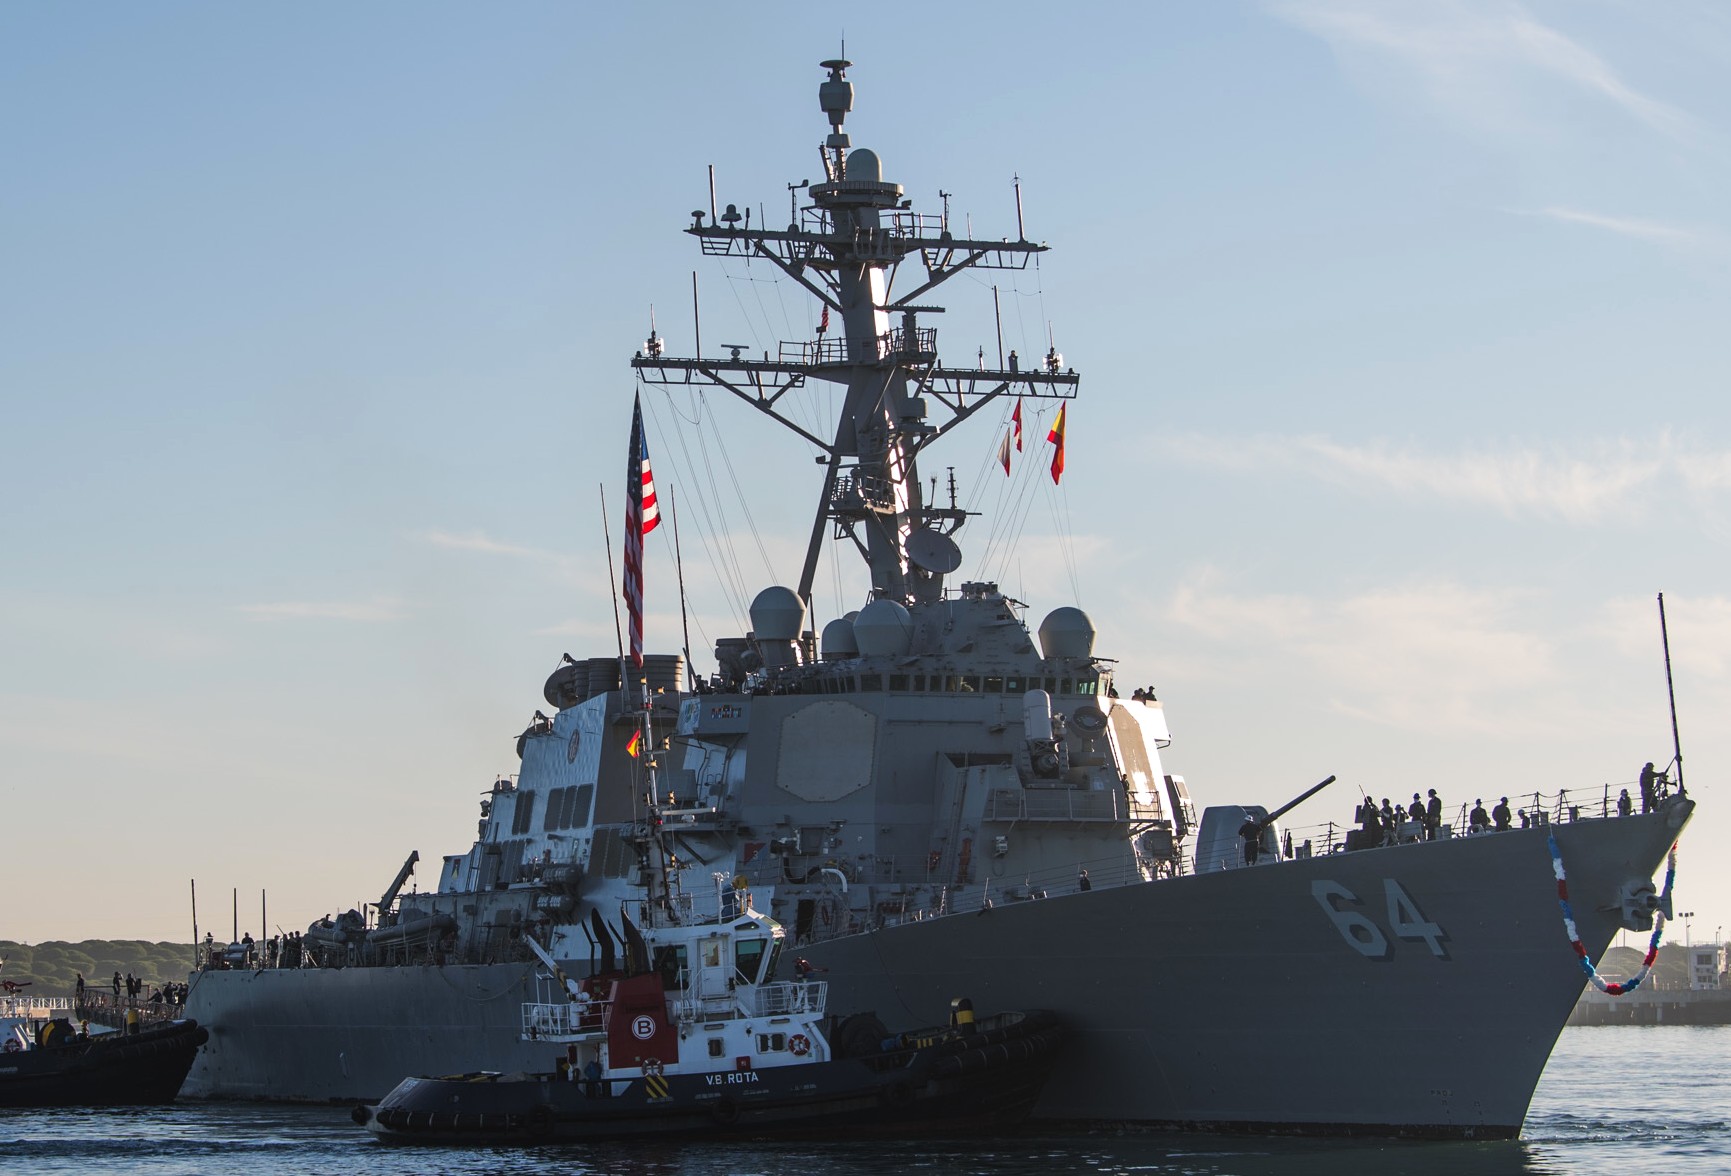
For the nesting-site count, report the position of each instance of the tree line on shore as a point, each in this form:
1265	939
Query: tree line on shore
52	968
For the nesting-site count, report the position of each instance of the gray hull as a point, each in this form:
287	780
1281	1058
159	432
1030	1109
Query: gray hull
1233	1000
1227	1000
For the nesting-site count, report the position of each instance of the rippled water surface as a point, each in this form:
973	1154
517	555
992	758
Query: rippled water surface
1615	1099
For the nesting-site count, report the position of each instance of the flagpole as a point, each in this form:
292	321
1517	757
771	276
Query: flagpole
679	565
607	538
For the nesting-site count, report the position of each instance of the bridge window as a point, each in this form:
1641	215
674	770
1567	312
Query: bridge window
748	959
898	681
524	815
555	802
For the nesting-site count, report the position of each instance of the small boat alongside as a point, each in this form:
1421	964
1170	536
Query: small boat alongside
54	1065
683	1031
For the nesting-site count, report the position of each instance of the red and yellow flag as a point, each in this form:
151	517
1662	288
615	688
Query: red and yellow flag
1056	437
635	747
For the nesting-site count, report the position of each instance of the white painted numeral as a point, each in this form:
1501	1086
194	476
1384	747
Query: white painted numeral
1405	919
1408	922
1364	935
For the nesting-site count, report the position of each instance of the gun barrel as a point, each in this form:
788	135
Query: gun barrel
1294	803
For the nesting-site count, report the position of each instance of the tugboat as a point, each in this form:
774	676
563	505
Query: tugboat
55	1065
690	1034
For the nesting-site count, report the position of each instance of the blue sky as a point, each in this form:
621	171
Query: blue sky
1402	334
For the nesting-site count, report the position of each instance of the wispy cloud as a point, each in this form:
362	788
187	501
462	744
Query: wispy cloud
1627	226
1589	483
1423	657
476	541
1477	60
384	609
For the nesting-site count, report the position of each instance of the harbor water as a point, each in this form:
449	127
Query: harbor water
1616	1099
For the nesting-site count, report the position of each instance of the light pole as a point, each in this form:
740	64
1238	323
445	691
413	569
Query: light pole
1686	916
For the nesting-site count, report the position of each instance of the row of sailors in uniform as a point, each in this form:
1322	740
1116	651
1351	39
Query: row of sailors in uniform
1424	820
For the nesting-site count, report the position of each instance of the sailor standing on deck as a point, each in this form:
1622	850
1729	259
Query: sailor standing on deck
1649	788
1251	832
1480	821
1433	816
1501	815
1370	820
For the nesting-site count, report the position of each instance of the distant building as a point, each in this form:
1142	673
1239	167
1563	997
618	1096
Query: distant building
1706	965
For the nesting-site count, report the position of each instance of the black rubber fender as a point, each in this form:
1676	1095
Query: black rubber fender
897	1094
724	1111
539	1121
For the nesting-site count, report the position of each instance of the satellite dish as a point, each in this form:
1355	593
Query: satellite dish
934	552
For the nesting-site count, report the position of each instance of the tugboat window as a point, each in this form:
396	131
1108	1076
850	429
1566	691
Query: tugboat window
670	962
748	959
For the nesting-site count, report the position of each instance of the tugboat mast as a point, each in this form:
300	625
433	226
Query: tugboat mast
845	249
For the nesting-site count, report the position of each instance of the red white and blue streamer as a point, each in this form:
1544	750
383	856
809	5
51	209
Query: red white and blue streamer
1612	987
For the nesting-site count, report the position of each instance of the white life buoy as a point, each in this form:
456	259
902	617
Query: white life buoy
12	1045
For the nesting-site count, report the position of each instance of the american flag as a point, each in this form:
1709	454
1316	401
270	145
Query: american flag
641	517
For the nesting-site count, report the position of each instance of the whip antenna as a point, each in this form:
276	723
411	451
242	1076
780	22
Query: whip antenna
1671	693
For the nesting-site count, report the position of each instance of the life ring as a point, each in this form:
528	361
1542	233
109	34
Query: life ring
12	1045
652	1067
799	1045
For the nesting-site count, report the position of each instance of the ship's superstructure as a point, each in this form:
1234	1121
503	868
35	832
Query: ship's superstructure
933	798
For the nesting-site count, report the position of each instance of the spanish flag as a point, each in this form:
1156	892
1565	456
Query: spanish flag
1056	437
635	747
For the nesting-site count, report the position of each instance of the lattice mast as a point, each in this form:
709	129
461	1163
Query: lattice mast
846	248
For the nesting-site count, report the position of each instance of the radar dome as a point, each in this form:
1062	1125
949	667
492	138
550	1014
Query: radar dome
777	614
864	165
838	640
883	627
1067	632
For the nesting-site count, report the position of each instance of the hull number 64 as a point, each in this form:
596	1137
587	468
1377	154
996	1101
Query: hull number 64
1405	920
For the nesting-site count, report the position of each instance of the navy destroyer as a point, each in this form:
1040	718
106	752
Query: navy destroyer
934	797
